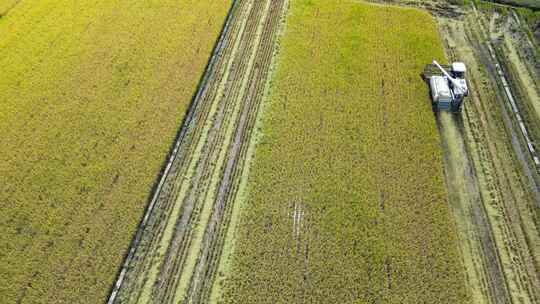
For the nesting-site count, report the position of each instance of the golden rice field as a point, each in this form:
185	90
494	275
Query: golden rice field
91	96
345	199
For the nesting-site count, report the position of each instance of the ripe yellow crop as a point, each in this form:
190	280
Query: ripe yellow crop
7	5
345	199
91	96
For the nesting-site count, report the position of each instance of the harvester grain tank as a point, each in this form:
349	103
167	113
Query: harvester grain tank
448	89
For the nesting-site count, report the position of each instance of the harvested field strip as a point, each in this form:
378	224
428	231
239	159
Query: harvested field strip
479	250
497	195
497	220
464	193
345	197
513	200
179	251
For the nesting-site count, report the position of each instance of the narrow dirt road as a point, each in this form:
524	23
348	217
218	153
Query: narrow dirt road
179	246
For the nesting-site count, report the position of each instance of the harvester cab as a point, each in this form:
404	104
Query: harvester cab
448	89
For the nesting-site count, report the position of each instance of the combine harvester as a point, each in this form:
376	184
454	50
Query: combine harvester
448	90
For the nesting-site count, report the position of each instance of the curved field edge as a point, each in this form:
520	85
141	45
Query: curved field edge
92	95
345	199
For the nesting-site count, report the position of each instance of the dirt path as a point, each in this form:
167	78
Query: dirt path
178	252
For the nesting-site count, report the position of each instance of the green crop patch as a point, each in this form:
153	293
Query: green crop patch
91	96
345	199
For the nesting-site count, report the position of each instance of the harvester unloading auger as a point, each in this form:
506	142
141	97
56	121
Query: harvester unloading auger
447	89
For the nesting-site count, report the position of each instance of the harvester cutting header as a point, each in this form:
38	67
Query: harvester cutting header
448	89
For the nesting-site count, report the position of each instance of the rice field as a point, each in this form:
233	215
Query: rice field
345	200
264	151
92	94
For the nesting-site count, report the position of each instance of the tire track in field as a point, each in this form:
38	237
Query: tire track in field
179	244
